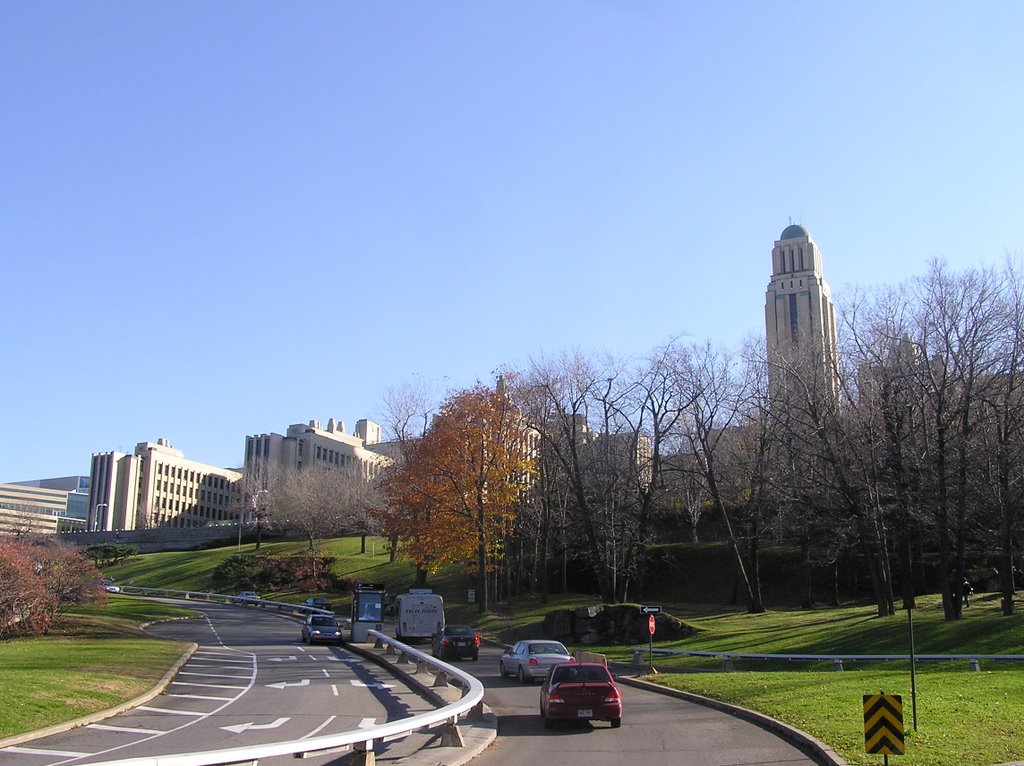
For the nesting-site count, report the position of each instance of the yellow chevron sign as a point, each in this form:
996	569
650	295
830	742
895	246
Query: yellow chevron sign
883	724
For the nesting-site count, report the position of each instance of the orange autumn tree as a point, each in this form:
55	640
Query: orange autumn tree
458	488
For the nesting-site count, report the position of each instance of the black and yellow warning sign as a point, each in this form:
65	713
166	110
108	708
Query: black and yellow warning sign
883	724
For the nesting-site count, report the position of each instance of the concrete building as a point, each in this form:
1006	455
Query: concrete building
76	491
158	486
303	446
28	509
800	319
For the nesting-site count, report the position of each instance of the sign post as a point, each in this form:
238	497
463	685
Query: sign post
650	611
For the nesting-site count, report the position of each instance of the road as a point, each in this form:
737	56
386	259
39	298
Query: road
656	729
251	681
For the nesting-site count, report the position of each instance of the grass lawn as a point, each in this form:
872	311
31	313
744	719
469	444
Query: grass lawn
92	659
963	718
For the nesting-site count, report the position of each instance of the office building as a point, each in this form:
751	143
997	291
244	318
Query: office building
158	486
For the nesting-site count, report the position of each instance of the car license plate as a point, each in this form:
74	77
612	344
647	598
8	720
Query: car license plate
462	643
584	713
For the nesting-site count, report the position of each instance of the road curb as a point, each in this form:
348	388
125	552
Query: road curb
814	747
162	684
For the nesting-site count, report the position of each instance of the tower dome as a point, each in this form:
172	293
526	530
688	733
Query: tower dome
793	231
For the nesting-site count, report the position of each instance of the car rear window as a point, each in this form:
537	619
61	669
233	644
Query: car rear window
577	674
457	631
547	649
323	621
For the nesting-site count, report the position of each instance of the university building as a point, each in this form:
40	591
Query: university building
304	446
157	486
800	318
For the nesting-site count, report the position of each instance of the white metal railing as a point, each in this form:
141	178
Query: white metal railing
361	740
221	598
836	659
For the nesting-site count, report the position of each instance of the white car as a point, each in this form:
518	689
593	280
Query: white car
111	588
531	660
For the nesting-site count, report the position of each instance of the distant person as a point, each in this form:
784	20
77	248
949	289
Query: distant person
968	591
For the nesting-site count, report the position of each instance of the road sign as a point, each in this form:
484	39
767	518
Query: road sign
650	624
650	610
883	724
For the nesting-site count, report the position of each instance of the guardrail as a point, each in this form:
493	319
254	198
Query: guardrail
360	741
836	659
222	598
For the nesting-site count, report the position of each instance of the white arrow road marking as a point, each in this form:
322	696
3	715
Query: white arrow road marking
346	660
292	658
239	728
38	751
303	682
367	723
372	686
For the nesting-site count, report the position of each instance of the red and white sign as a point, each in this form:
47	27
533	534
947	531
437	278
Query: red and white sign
650	624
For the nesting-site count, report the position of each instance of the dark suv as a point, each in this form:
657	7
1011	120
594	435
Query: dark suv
455	642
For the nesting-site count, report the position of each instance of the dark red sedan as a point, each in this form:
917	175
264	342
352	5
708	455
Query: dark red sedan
580	691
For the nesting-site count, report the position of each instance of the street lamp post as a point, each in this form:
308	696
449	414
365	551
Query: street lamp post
97	527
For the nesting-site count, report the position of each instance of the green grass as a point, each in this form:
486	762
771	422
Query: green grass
963	717
92	659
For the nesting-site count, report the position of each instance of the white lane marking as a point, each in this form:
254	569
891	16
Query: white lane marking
126	729
207	686
199	697
149	709
290	658
334	689
212	675
40	751
283	684
371	686
319	728
326	674
367	723
239	728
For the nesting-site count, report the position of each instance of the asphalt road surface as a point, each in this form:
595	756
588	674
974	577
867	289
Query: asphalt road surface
656	729
252	681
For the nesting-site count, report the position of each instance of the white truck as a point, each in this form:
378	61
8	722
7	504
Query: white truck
419	614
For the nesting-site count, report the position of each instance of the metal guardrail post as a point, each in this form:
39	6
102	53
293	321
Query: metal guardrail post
837	664
727	665
975	665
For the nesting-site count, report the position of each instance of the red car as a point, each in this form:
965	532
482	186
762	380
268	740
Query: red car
580	691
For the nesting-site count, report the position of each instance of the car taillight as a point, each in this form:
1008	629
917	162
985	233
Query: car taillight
572	659
533	662
554	696
476	639
445	641
612	695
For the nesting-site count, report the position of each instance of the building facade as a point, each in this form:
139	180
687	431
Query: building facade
157	486
800	318
304	446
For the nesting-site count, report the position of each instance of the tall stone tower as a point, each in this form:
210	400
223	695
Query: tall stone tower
800	319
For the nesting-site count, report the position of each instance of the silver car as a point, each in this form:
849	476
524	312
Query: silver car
530	660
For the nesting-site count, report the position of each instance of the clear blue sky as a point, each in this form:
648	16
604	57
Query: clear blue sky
221	218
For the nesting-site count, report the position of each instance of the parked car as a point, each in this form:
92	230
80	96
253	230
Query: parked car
454	642
246	597
321	628
580	691
318	603
529	660
109	587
